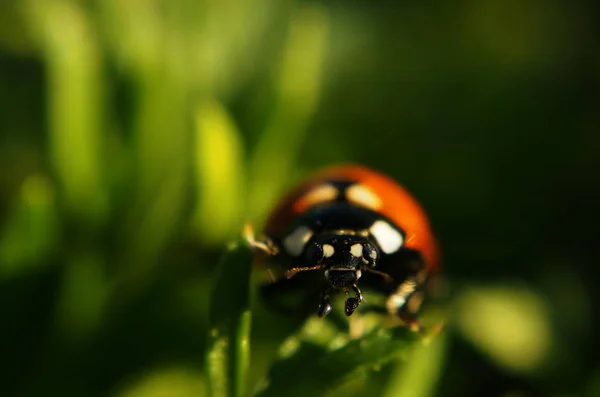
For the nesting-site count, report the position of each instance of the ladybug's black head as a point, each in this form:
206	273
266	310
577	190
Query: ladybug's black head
343	258
341	253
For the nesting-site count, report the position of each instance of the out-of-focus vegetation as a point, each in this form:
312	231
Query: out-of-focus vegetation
136	137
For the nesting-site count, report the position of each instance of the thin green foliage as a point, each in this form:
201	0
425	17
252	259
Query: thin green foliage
318	368
229	317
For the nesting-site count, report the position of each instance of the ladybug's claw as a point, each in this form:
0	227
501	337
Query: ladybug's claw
324	309
352	303
325	306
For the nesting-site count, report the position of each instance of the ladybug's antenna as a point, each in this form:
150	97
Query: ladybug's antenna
386	277
293	271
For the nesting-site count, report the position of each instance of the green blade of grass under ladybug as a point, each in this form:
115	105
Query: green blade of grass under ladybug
229	346
311	368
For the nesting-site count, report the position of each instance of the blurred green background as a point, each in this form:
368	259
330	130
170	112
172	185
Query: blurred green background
136	137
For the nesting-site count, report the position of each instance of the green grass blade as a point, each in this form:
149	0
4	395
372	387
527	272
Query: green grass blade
219	173
313	369
29	234
420	378
76	97
297	93
229	345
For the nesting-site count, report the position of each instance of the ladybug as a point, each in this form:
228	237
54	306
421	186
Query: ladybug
344	229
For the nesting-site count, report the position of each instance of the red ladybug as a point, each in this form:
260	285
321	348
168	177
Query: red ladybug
346	228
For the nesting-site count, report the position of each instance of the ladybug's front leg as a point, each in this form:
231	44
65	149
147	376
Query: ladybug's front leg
406	298
407	311
402	300
325	305
352	303
264	244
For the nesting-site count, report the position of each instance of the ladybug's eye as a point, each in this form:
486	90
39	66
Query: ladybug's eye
314	254
370	254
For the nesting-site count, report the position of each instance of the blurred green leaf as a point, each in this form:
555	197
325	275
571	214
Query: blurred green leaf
160	174
219	171
31	231
297	93
13	32
161	382
420	378
135	32
229	315
82	301
510	323
76	102
213	46
311	368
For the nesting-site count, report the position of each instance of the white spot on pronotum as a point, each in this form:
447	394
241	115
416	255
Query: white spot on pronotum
294	243
389	239
373	254
328	250
356	250
364	196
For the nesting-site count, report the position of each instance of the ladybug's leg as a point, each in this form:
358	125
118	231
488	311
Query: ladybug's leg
410	320
413	304
352	303
404	296
398	303
264	244
408	312
325	305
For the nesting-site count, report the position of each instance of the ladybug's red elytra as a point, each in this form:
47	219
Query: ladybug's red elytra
346	228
